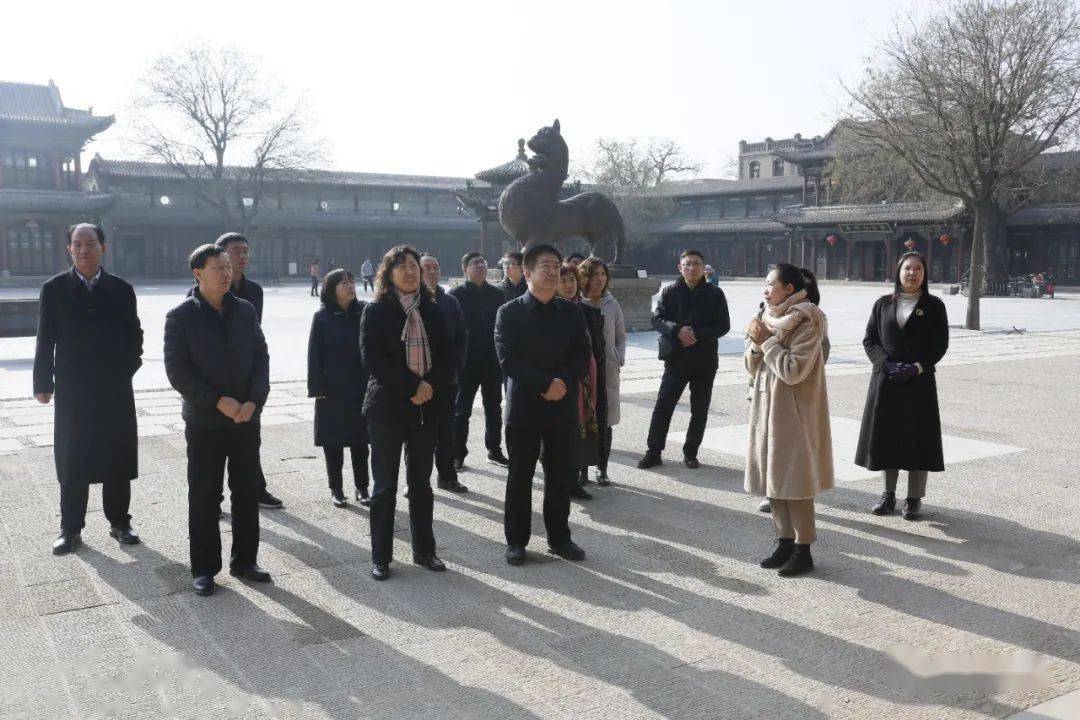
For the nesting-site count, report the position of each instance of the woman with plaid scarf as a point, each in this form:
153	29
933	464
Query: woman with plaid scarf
404	345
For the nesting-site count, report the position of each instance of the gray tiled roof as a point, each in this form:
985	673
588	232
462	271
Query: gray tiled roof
151	170
830	215
711	187
41	103
53	200
1047	215
507	172
720	225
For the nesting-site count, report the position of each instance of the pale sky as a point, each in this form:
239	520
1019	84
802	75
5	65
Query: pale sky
446	88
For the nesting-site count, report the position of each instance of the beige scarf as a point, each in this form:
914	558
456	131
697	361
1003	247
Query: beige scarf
786	316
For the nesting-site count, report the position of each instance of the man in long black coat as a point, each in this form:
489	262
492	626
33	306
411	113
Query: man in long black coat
89	345
691	317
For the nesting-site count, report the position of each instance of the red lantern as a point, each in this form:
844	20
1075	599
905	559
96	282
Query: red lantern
831	239
945	239
910	243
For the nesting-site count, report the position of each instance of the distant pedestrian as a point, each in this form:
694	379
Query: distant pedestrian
790	455
575	259
513	283
314	271
595	290
216	358
458	337
544	352
906	337
691	317
404	344
480	301
367	275
337	379
89	345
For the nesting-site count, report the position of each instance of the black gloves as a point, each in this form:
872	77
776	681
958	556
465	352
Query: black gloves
900	372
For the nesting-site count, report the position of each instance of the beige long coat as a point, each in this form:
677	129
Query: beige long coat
614	349
790	454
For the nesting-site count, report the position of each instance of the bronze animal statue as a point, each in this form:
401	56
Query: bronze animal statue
532	214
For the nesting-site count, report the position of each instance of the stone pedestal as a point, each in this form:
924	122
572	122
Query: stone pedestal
635	296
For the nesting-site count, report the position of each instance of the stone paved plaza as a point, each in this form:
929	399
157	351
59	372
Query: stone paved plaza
974	612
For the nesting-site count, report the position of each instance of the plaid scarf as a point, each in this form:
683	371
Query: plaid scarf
414	334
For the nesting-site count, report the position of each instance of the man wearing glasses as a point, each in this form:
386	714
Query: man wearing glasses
479	301
543	348
513	282
691	317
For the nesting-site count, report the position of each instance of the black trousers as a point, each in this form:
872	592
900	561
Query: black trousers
446	447
314	286
115	501
672	385
335	460
388	437
524	444
605	448
208	451
490	383
369	283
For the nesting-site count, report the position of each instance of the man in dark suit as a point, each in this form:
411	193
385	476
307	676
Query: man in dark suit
458	336
479	301
216	358
691	317
544	350
513	283
236	246
89	345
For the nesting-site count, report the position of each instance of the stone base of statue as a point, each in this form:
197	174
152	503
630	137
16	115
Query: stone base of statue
635	296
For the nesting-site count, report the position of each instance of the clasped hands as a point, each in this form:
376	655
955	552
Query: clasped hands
556	391
424	392
235	410
686	336
900	372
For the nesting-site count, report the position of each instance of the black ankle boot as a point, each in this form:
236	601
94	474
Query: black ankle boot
784	548
887	504
800	562
912	508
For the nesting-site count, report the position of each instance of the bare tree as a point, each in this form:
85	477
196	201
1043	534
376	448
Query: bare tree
212	115
967	98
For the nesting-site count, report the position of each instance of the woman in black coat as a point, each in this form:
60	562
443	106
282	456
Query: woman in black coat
404	344
337	380
906	337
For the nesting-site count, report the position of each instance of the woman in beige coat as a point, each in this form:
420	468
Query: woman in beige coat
790	455
595	284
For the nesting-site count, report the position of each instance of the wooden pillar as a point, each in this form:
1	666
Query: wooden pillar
888	258
790	247
960	258
814	242
759	253
930	260
848	247
483	234
78	170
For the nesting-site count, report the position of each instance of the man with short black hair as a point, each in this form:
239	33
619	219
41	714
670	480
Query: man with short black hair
89	345
236	246
691	317
216	358
543	349
457	335
480	301
575	259
513	283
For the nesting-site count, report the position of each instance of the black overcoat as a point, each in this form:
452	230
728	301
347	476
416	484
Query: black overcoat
901	426
337	378
89	345
391	383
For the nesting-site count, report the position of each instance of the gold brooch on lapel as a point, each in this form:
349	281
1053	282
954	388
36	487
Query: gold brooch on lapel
919	312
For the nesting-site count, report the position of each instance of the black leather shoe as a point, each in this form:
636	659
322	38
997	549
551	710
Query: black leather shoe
651	459
496	457
431	562
567	551
124	534
459	464
691	462
784	548
203	585
339	500
912	508
602	479
453	487
267	500
579	493
380	571
67	542
254	573
800	562
515	555
887	504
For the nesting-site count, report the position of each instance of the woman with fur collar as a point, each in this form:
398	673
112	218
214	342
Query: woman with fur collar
790	456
